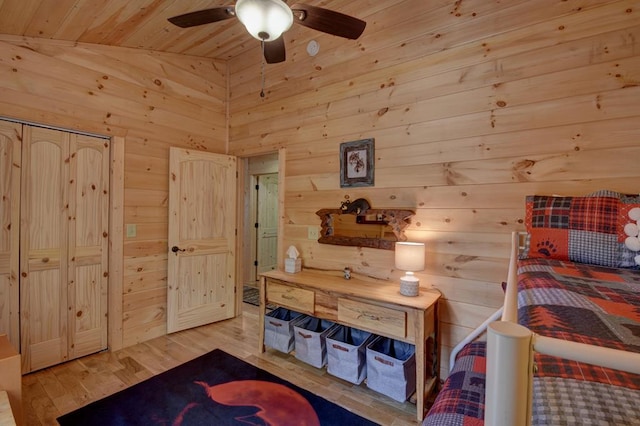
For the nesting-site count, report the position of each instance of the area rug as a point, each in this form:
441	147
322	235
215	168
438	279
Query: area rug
251	295
213	389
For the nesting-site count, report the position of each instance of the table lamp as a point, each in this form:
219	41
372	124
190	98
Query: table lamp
409	258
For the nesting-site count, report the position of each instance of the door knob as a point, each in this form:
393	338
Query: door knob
176	249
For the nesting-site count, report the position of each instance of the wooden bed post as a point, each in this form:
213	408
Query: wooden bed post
509	375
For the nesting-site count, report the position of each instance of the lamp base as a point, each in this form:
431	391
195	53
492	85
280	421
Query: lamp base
409	285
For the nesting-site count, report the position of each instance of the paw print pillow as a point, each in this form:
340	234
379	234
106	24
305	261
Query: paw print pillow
580	229
547	222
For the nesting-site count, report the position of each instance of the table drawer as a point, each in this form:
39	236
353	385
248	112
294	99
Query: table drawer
388	321
292	297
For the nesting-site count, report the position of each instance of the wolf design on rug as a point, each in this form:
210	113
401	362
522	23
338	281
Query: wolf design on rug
269	398
213	389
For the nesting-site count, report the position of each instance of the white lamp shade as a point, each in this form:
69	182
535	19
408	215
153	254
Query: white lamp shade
410	256
264	19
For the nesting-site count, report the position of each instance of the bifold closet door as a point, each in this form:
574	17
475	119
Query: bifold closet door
63	237
88	267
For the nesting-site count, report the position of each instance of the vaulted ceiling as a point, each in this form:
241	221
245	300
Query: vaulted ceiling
138	24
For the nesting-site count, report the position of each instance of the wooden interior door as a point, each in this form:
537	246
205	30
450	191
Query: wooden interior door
267	236
202	238
64	241
10	136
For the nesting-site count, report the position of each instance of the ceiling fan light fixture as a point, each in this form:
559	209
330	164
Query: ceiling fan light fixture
265	20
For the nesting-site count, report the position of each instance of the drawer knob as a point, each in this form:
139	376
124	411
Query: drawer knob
371	317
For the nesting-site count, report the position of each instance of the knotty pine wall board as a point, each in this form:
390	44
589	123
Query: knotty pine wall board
552	112
142	281
97	90
145	273
505	195
237	133
427	52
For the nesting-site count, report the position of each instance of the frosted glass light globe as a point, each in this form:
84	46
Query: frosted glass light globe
265	20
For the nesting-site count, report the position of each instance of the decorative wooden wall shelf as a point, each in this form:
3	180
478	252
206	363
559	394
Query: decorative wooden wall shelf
374	228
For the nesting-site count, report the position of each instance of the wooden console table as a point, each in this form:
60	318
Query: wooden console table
377	307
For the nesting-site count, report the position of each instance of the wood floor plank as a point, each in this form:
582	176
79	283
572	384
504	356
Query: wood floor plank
54	391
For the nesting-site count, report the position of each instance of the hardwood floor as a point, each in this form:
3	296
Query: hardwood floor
57	390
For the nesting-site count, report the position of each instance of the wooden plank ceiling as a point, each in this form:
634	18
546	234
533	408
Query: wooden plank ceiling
140	24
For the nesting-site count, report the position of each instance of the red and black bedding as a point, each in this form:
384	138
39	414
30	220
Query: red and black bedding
460	402
560	296
587	304
571	301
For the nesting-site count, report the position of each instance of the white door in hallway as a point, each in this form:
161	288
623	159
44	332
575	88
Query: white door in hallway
267	244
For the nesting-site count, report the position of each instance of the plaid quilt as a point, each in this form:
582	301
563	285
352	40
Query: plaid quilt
586	304
571	301
461	400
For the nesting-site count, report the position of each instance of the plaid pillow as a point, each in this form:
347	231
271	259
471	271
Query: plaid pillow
580	229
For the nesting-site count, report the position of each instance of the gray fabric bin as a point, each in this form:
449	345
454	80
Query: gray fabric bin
278	329
310	340
347	353
391	368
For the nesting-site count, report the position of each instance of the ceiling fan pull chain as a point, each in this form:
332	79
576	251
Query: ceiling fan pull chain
262	72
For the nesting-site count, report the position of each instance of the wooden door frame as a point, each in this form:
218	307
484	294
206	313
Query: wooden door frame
116	243
253	232
243	223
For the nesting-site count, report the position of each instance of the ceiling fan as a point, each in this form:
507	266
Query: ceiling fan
266	20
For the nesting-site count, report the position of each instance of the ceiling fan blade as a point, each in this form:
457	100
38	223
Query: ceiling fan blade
328	21
274	51
202	17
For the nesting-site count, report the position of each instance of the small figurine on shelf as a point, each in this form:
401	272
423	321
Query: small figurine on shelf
358	206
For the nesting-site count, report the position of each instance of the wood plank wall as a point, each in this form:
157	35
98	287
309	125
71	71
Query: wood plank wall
473	105
154	101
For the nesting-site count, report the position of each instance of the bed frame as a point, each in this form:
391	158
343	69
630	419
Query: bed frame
510	348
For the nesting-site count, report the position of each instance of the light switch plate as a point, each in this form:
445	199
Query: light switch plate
312	233
131	230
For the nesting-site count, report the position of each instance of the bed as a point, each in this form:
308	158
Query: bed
567	348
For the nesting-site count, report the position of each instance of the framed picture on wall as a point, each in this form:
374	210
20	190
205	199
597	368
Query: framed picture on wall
357	163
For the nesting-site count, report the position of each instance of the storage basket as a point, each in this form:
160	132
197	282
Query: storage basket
278	329
347	353
310	340
391	368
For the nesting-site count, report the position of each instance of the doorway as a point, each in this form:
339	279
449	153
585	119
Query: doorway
261	219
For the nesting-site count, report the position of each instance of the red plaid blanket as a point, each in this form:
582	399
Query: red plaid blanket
581	303
570	301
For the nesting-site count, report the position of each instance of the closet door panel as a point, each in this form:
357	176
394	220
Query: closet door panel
87	330
44	247
88	245
47	343
10	136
